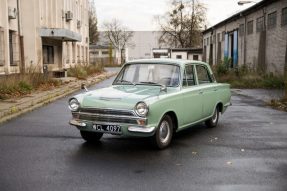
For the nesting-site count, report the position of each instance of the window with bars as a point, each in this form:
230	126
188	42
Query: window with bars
74	52
241	30
250	27
67	52
48	54
272	20
2	47
218	37
223	35
79	54
260	24
14	48
284	17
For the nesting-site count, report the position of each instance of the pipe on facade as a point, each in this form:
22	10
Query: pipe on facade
21	40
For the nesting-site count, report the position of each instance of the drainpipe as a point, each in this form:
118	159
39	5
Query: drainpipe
21	43
245	33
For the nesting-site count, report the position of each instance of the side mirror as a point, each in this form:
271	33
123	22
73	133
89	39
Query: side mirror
163	88
84	87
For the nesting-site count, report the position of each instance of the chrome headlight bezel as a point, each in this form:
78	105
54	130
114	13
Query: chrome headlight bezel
141	109
74	104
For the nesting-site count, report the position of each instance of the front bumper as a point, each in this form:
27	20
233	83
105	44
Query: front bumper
126	129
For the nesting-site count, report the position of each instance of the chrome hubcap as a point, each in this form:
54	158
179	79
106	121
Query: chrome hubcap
215	115
164	132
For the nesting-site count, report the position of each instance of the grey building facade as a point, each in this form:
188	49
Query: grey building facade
255	37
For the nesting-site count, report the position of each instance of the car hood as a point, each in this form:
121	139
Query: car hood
120	97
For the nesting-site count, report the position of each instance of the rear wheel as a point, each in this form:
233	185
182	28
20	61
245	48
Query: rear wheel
91	137
212	122
164	132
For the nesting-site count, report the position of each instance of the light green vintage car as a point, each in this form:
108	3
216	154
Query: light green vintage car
151	98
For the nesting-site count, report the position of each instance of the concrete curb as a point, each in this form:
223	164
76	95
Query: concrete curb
16	109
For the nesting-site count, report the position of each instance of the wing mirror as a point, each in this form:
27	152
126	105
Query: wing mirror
84	87
163	88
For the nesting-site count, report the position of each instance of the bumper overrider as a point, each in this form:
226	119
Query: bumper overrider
129	122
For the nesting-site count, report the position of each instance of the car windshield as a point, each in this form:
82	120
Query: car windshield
149	74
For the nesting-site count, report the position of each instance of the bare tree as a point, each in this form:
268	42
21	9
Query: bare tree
181	26
93	23
119	36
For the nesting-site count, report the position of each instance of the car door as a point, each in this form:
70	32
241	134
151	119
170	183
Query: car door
191	97
207	90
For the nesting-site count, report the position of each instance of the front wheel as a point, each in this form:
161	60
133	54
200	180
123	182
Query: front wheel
212	122
91	137
164	132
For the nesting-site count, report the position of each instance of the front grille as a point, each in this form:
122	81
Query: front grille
108	115
108	111
107	119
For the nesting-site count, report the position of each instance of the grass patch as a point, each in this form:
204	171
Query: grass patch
83	71
245	78
22	84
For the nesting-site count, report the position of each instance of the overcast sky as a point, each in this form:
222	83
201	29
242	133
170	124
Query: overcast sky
138	14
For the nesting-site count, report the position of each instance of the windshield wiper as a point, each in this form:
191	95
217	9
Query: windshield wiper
126	81
150	83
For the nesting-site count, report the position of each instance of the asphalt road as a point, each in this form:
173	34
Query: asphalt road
247	151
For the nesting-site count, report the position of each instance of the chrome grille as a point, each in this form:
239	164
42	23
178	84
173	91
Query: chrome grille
108	111
107	119
108	115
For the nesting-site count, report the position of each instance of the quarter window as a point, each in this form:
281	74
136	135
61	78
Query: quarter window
188	79
272	20
203	75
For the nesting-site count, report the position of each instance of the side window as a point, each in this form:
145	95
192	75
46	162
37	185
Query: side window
188	79
203	75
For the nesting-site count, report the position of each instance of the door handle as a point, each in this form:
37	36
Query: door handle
201	92
215	90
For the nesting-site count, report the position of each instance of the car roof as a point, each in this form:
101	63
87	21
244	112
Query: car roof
180	62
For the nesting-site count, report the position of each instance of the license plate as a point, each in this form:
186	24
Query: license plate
113	129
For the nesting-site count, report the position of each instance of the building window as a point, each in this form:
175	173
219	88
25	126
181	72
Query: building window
67	52
48	54
178	57
14	48
272	20
260	24
195	57
87	54
79	54
105	52
211	40
207	41
1	47
241	29
218	37
250	27
223	35
74	52
284	16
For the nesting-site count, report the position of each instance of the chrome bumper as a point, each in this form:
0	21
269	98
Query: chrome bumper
141	129
134	129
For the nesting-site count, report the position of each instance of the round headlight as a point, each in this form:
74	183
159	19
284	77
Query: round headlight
74	105
141	109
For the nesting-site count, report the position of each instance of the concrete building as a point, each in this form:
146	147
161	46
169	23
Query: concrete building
43	34
141	44
186	53
178	53
103	54
256	37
